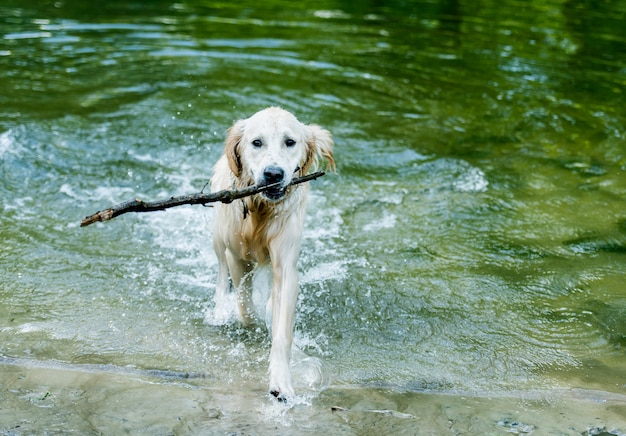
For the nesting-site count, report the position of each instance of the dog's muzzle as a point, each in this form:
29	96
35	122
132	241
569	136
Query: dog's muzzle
274	176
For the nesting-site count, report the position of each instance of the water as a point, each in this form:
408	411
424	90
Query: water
463	272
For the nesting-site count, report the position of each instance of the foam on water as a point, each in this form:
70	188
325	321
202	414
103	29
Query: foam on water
388	221
471	180
7	143
324	271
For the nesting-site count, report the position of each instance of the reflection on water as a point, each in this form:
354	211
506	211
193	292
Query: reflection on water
472	242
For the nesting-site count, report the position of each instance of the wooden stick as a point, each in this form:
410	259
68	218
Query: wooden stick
224	196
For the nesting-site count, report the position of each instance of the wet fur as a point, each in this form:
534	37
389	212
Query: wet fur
258	230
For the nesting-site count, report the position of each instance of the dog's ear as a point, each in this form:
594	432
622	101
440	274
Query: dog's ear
319	145
231	149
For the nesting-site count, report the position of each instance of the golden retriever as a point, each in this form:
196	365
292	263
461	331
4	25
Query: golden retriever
271	146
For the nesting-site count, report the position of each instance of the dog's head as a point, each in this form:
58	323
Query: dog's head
272	146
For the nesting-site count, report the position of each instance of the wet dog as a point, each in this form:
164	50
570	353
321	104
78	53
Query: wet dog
270	147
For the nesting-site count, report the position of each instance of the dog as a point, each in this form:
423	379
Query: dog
270	147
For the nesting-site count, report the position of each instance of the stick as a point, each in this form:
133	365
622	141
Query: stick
224	196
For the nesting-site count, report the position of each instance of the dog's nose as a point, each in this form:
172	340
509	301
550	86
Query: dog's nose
273	175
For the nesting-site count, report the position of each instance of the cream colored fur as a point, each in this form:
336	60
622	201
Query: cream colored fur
266	228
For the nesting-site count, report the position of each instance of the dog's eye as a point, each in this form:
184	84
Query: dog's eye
290	142
257	143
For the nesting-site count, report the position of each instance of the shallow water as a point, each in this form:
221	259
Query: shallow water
462	273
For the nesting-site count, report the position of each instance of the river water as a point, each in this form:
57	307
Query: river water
464	272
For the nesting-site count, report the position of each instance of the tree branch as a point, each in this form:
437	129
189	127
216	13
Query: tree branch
224	196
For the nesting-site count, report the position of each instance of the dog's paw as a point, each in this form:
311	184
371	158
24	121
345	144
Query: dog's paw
280	380
282	389
276	394
283	395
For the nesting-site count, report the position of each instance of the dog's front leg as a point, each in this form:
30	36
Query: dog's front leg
284	297
241	275
222	287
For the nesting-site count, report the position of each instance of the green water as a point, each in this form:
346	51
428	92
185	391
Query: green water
464	271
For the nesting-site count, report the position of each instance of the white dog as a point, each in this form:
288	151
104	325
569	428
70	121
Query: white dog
271	146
